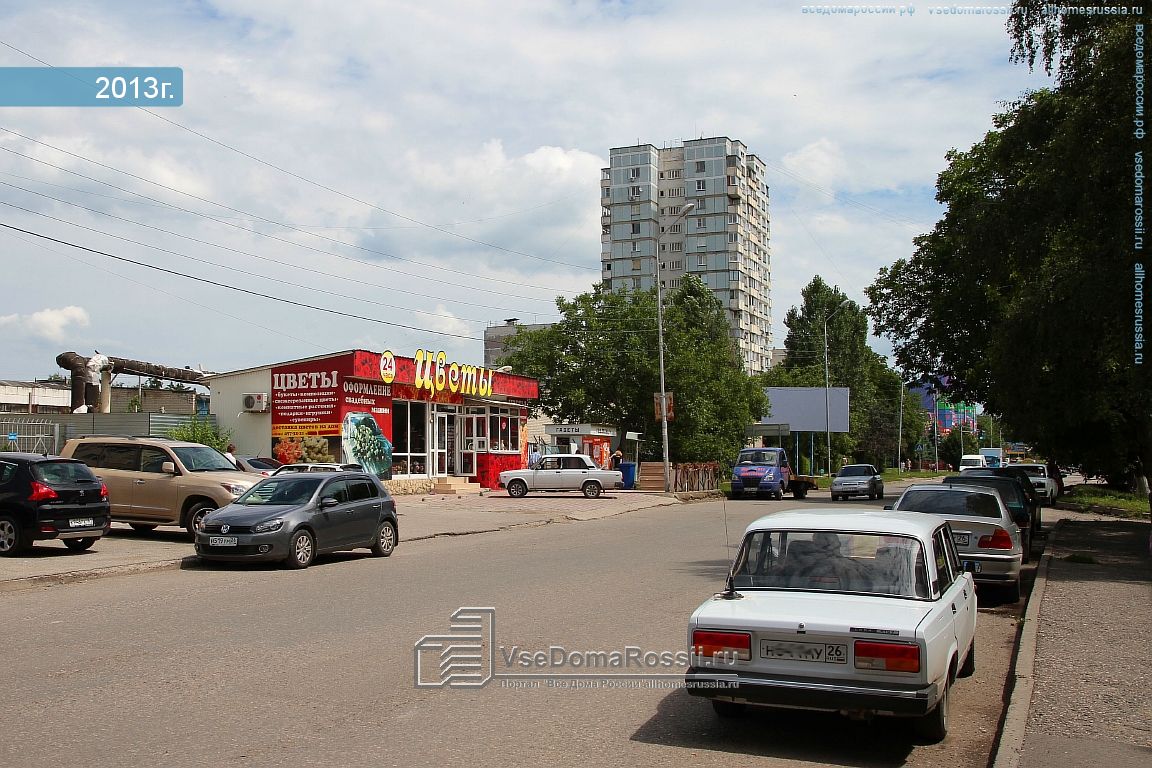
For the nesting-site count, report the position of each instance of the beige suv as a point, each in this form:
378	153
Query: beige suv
157	481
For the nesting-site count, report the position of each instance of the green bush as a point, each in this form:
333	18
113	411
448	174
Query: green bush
203	431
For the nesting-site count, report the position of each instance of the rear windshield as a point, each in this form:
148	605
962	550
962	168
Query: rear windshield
758	457
831	561
53	472
285	489
855	470
950	503
1009	491
1033	470
258	463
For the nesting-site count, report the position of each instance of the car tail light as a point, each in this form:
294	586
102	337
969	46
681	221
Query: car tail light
41	492
103	492
725	645
890	657
999	540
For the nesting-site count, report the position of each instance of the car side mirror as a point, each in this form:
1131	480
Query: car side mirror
168	467
328	501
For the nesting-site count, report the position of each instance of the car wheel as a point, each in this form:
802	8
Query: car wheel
1026	545
969	667
142	527
301	550
79	545
728	708
880	495
872	496
517	489
799	492
13	540
835	497
591	489
1012	591
196	517
779	494
385	542
933	727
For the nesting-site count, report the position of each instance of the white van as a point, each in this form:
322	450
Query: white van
973	461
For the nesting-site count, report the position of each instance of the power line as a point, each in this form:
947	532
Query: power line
238	289
257	217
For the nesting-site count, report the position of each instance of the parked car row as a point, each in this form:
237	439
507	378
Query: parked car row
292	514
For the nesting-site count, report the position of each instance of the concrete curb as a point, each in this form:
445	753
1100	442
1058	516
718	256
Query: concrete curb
1010	746
72	577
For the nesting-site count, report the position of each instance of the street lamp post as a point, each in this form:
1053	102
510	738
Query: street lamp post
827	410
660	345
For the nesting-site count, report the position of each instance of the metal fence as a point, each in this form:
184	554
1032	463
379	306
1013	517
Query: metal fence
696	477
30	435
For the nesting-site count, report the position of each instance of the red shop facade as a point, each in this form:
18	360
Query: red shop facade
401	417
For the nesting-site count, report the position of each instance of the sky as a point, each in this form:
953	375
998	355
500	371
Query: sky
400	174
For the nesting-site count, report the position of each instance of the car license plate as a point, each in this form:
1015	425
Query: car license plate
971	566
81	522
829	653
222	541
961	539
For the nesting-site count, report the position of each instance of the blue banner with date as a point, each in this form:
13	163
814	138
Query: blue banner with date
91	86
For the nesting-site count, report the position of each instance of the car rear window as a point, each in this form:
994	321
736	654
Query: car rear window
952	503
263	463
832	561
61	472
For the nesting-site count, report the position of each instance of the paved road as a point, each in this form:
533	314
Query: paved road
237	666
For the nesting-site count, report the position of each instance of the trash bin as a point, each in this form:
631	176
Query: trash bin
628	469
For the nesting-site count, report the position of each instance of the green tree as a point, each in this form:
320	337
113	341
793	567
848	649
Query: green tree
203	431
1018	294
599	364
951	449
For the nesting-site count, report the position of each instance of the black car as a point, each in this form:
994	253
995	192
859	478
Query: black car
295	516
1035	500
49	497
1012	493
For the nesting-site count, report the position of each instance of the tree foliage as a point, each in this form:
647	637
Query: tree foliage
1022	293
599	364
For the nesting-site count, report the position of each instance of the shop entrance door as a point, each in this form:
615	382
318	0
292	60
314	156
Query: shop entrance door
444	449
473	439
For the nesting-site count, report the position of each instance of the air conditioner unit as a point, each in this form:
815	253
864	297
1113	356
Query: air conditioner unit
256	402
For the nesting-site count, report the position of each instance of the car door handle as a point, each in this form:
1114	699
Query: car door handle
953	607
137	482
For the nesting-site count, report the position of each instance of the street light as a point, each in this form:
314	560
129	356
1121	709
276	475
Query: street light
660	344
827	414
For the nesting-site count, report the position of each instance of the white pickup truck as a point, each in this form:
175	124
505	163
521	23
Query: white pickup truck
561	472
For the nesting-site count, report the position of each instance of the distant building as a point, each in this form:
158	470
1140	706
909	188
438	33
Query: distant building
723	240
496	335
35	397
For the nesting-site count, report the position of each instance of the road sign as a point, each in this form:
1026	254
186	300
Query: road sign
13	436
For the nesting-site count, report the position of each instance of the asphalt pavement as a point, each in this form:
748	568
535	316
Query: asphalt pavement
1084	656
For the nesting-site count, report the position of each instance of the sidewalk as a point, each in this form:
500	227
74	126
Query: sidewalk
126	551
1084	663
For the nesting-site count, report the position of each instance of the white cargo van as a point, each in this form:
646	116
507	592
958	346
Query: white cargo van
973	461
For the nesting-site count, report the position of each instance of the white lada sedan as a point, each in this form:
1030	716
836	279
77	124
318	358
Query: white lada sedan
860	612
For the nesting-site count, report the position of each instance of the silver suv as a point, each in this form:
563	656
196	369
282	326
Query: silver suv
157	481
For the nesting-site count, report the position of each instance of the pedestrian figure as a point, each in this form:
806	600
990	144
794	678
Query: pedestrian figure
533	456
617	458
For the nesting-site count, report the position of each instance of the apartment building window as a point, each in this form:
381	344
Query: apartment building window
605	211
733	256
702	223
731	220
633	174
676	229
699	166
675	174
635	211
677	247
635	246
732	238
734	277
702	260
677	265
608	193
605	230
663	247
732	297
635	283
636	231
674	209
676	192
701	185
636	268
731	181
675	282
635	192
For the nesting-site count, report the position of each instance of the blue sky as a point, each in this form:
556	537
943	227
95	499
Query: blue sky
436	165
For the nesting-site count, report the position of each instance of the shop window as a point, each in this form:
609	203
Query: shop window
504	430
409	439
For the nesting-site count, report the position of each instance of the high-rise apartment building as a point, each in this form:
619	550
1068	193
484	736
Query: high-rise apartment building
723	240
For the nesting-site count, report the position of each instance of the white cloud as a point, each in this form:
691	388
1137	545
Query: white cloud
50	324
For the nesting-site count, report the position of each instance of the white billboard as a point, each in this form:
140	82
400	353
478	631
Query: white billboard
802	408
